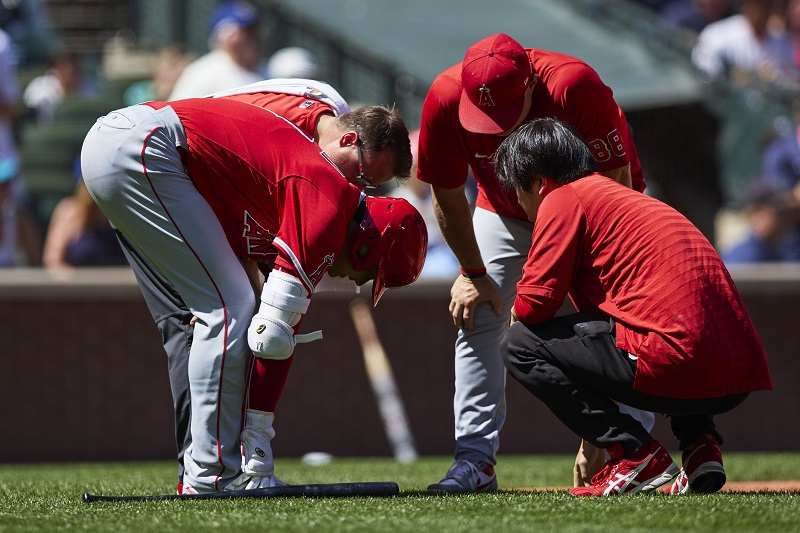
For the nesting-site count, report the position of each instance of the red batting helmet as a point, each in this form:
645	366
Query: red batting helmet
391	238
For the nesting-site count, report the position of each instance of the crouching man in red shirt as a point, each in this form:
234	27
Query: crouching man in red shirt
659	326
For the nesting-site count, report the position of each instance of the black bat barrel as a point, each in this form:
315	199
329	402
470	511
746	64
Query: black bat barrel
323	490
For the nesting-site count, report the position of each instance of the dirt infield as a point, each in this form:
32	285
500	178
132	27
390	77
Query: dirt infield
792	486
762	486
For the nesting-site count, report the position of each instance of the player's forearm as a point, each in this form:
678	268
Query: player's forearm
254	275
455	221
620	175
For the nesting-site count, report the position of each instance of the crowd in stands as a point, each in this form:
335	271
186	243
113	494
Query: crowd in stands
747	43
738	41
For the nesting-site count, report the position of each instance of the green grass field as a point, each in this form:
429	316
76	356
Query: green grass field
47	498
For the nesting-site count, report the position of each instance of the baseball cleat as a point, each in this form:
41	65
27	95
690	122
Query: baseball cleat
643	471
466	476
187	490
250	481
702	468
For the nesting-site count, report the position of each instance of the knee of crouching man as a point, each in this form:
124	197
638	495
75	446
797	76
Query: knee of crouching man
512	345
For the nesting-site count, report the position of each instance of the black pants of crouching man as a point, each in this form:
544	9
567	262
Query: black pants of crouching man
572	364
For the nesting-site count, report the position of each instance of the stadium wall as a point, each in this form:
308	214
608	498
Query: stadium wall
83	377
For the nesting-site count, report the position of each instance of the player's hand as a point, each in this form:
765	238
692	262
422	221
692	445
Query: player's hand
589	461
466	294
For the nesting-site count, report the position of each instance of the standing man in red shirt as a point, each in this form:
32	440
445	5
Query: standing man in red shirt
196	187
321	113
469	109
658	317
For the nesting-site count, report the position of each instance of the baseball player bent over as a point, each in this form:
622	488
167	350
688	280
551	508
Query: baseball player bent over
320	112
659	325
196	186
468	110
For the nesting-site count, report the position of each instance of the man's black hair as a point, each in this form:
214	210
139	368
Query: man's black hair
542	148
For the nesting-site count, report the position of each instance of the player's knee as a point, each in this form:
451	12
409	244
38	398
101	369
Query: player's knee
517	348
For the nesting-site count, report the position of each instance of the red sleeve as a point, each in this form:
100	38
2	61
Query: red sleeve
442	159
553	258
596	117
300	111
312	230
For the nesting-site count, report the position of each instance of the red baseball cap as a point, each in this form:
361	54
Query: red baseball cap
495	74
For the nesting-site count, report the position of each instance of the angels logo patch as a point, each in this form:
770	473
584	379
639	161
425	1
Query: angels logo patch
327	261
258	238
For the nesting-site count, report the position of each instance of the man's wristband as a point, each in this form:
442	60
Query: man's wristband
473	273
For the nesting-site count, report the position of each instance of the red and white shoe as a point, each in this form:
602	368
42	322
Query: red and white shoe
702	468
644	471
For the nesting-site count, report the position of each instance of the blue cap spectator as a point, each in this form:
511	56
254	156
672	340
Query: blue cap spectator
239	14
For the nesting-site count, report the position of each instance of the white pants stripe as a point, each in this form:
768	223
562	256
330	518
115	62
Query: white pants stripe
132	168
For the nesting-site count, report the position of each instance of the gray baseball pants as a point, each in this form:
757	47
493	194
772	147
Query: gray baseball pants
132	169
479	403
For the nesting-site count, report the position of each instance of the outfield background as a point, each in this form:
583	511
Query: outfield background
83	379
88	368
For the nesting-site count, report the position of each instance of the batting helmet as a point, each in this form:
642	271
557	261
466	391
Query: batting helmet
390	237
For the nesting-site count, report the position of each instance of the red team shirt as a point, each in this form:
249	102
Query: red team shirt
301	111
645	265
288	210
567	89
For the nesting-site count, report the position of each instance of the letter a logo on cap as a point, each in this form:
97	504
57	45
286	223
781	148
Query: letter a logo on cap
485	96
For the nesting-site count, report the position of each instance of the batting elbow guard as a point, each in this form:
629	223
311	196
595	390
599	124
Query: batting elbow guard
283	303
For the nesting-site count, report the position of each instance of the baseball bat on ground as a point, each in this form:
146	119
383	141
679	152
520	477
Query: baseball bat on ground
383	385
325	490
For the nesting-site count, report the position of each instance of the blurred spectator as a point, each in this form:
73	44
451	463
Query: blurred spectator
234	58
25	21
9	160
293	62
696	14
45	93
655	5
781	162
440	261
167	68
9	94
19	236
16	229
744	45
79	235
793	27
774	219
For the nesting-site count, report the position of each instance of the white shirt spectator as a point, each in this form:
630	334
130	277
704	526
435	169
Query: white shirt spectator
9	93
44	93
293	62
731	43
212	73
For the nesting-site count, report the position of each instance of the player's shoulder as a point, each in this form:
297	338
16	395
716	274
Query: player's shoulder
317	177
446	86
581	192
560	72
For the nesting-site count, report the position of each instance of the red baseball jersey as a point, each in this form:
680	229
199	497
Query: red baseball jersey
644	264
279	198
301	111
567	89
